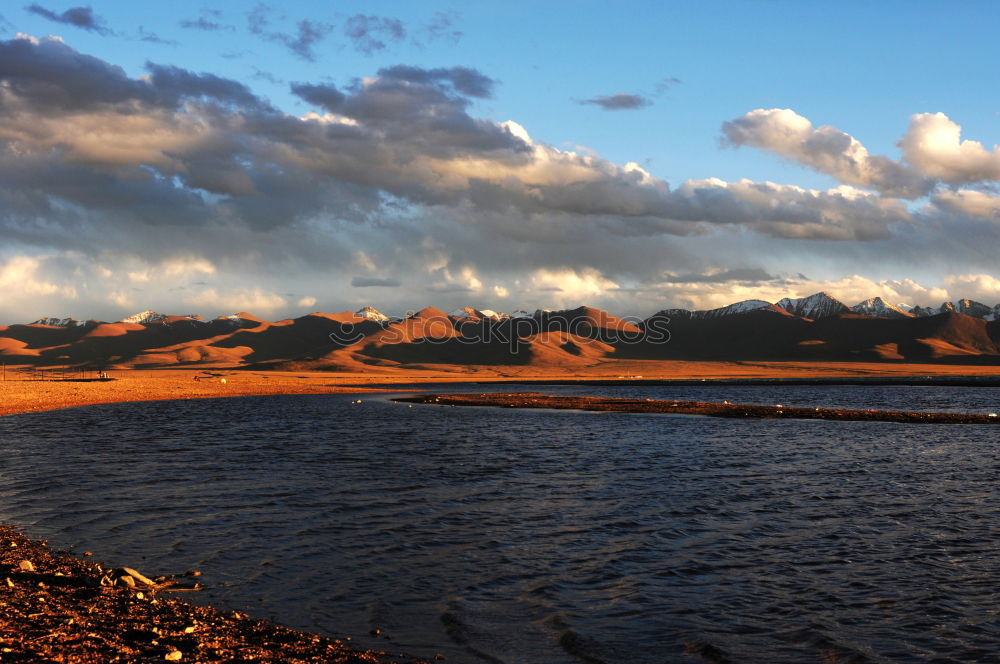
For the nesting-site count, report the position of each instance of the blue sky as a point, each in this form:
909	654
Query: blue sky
685	233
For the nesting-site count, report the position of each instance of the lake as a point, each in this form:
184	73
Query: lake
505	535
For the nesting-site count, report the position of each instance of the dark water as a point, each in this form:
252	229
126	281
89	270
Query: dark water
546	537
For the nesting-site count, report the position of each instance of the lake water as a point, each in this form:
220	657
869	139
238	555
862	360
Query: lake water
504	535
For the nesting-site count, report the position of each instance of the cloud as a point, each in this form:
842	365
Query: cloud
618	102
981	287
623	101
89	154
23	277
80	17
666	83
375	282
237	300
370	34
441	27
825	149
400	168
933	144
206	23
307	35
573	286
153	38
968	202
307	301
301	43
723	276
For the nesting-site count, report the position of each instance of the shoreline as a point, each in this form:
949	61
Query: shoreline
53	603
24	393
536	400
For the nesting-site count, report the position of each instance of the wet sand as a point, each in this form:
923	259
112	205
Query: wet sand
708	409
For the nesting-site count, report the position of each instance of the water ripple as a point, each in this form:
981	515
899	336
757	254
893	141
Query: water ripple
551	537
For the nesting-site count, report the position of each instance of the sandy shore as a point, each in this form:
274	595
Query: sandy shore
708	409
24	392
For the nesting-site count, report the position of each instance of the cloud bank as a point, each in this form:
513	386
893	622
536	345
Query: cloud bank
98	168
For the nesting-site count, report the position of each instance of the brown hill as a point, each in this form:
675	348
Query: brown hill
571	338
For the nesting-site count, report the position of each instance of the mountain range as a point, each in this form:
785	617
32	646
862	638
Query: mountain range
818	327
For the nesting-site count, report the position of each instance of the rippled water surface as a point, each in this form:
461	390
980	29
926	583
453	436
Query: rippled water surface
503	535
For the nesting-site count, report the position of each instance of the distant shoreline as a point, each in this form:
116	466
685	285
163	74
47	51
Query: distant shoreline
23	392
535	400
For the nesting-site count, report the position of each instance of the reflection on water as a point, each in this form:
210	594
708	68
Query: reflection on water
534	536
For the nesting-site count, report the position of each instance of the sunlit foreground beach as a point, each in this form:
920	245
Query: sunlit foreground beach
24	390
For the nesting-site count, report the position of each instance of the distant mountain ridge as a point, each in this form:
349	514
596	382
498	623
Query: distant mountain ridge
815	306
817	327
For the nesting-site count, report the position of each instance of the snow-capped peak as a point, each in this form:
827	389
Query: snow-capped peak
464	312
143	317
973	308
57	322
150	316
735	308
876	306
815	306
371	313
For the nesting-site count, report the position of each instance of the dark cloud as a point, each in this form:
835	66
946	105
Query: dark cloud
735	274
441	26
92	161
261	75
374	282
259	19
51	75
306	36
175	83
419	109
463	79
80	17
618	102
205	24
666	83
370	34
154	38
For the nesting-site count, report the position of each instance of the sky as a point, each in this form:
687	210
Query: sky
633	156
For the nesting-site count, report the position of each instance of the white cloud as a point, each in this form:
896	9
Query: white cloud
571	286
307	301
251	300
982	287
933	144
21	278
826	149
187	266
